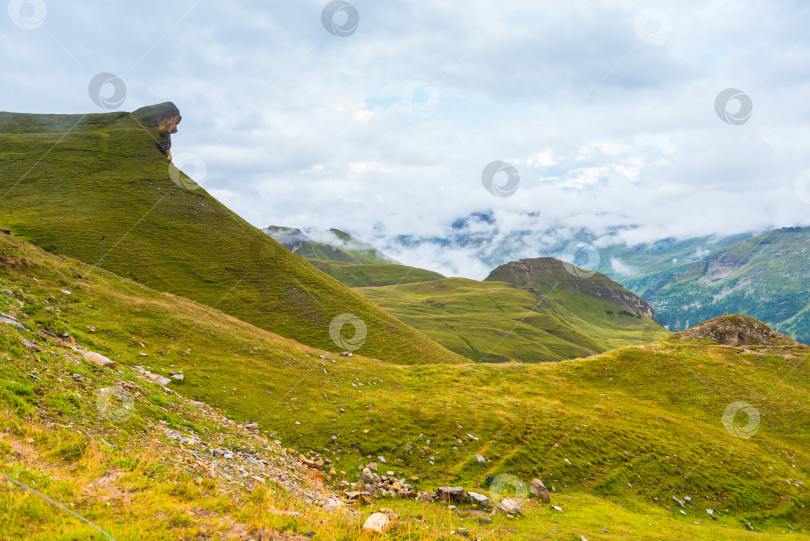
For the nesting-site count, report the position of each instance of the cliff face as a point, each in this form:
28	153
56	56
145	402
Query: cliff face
164	117
545	273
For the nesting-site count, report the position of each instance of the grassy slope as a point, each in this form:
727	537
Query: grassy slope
763	276
66	180
494	322
610	433
371	275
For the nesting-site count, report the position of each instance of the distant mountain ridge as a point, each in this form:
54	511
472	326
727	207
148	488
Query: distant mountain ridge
331	245
763	276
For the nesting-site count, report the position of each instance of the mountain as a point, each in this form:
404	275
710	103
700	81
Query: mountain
554	278
73	184
762	276
332	245
526	311
348	260
630	443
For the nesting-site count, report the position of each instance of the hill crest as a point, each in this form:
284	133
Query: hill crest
546	274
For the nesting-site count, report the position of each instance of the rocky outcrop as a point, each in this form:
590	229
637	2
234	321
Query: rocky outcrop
737	330
164	117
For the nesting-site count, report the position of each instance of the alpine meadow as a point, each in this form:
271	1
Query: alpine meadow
360	271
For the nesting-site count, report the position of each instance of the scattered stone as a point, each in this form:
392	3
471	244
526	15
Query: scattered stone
450	494
99	359
154	377
508	505
711	514
557	508
11	321
360	496
478	499
77	377
481	459
687	499
252	427
30	345
485	520
381	459
377	522
538	489
678	501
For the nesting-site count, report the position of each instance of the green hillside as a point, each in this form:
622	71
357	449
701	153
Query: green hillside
495	322
68	180
763	276
615	437
380	274
332	245
531	310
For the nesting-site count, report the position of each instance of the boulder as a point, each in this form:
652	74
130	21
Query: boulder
537	488
450	494
478	499
508	505
377	523
99	359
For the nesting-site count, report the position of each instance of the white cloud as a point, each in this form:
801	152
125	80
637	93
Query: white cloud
301	128
620	267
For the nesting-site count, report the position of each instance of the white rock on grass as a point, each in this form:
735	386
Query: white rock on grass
377	522
510	506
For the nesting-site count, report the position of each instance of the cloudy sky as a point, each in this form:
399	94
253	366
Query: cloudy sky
380	118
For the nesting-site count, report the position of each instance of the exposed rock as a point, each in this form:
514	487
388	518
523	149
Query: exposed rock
99	359
478	499
450	494
154	377
377	522
538	489
508	505
737	330
4	318
164	117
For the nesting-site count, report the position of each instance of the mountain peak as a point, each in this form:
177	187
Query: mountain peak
547	273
